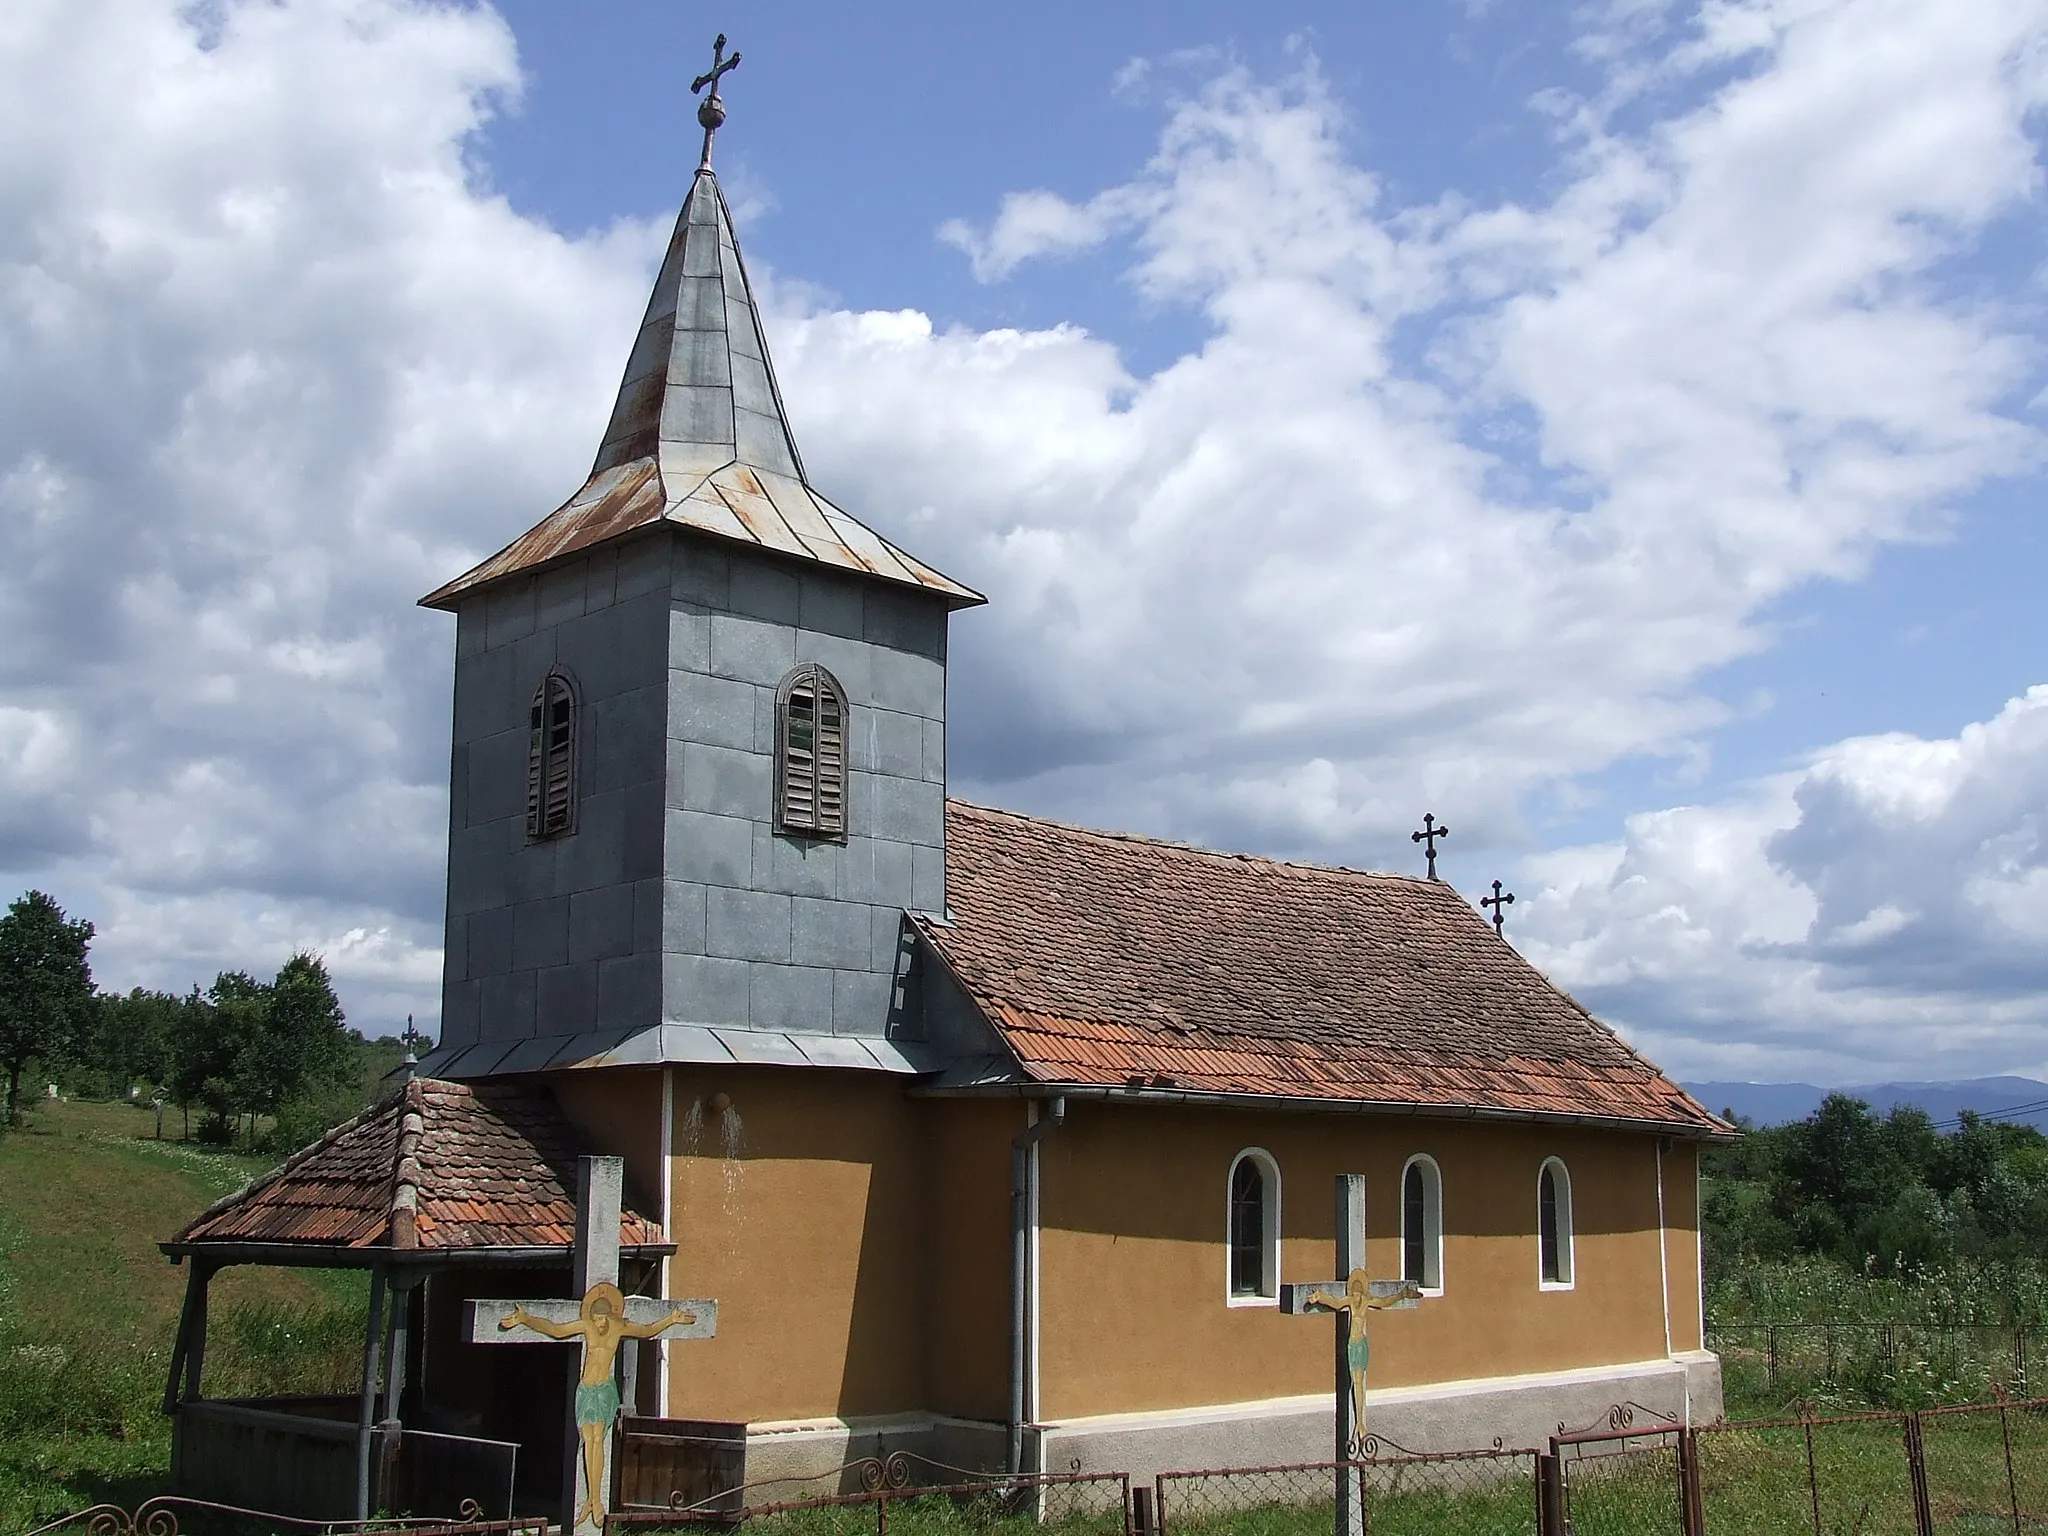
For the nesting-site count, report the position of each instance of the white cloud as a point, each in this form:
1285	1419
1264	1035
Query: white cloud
275	361
1298	585
1879	912
1452	504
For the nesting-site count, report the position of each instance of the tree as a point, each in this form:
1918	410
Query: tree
304	1047
46	991
216	1045
132	1040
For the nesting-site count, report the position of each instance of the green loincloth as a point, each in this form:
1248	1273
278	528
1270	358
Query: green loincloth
597	1404
1356	1353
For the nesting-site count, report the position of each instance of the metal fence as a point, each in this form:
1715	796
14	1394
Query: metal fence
904	1492
1398	1493
176	1515
1954	1471
1951	1471
1913	1360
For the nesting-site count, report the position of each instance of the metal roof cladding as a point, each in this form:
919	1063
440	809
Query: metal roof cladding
698	437
1119	963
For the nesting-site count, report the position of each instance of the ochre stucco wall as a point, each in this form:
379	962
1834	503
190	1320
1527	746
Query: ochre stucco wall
1682	1239
801	1210
1132	1282
967	1297
857	1241
618	1110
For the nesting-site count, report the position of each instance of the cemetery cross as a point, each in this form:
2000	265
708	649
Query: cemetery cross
1348	1299
599	1321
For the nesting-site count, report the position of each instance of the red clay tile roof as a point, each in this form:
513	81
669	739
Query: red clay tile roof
1112	960
437	1166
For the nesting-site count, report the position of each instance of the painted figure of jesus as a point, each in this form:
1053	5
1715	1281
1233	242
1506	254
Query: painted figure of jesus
1355	1298
601	1325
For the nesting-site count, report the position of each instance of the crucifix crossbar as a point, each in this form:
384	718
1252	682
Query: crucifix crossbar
1349	1300
598	1323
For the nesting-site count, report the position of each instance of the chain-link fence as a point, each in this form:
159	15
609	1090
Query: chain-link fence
1817	1476
1986	1467
1623	1482
1903	1363
908	1496
1488	1492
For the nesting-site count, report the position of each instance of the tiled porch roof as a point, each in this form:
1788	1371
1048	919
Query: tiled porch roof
437	1166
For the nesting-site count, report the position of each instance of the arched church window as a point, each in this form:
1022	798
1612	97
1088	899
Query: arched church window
1254	1228
1554	1225
1422	1224
810	754
551	759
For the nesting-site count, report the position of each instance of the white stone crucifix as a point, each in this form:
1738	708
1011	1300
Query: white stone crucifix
1349	1299
598	1323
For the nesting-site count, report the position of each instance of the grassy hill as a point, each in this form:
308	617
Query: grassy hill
88	1307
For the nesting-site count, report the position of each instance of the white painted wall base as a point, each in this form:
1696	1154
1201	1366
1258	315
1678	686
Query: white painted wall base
1523	1411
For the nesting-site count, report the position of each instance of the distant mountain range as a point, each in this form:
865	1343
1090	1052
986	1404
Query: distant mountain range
1778	1103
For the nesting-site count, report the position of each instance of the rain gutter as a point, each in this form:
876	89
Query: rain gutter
1316	1104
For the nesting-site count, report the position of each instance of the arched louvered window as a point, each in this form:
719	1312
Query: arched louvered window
1422	1224
551	759
1554	1226
1254	1229
810	754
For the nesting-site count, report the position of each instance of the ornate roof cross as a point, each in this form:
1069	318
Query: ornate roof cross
711	110
1427	837
1499	903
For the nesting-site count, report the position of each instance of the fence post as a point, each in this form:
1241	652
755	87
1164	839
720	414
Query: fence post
1771	1354
1143	1521
2012	1485
1549	1495
1692	1505
1916	1465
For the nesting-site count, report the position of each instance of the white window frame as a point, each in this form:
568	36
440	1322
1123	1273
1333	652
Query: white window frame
1432	1221
1568	1248
1269	1236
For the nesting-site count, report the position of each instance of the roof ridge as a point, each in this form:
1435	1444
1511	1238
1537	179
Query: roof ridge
1201	850
402	1221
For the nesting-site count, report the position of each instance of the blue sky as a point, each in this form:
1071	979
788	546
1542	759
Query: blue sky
1610	427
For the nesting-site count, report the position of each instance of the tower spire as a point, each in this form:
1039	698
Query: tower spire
698	437
711	110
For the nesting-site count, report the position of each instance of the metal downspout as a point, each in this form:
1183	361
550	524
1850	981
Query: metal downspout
1023	1148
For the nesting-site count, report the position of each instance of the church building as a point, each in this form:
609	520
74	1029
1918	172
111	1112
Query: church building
993	1137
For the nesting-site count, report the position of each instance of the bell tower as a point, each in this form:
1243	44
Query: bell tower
699	759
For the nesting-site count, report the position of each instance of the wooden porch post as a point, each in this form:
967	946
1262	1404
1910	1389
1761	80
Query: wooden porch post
366	1409
195	1345
184	1352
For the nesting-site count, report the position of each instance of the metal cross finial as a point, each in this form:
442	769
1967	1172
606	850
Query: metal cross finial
1427	837
711	110
1499	903
412	1038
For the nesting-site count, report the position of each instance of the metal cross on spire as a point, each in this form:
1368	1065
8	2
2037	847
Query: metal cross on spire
711	110
1499	903
1427	837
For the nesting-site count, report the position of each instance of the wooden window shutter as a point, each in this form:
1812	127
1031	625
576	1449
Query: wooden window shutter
551	759
810	766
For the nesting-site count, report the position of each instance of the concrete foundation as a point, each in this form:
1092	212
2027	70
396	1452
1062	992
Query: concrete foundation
1518	1411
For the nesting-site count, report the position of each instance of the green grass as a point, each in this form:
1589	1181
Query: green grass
88	1307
